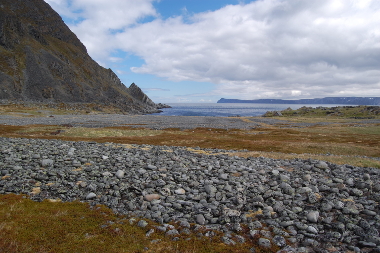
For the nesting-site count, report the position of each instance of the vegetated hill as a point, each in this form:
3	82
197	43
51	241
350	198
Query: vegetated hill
41	60
327	100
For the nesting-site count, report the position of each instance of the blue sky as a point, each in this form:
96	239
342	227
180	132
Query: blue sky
203	50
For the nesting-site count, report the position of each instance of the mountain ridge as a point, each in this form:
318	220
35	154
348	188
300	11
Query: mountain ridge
326	100
41	60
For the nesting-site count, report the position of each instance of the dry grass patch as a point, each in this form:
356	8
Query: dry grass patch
352	160
343	143
108	132
28	226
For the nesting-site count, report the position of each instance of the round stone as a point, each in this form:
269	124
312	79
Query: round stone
313	216
120	174
180	191
91	195
279	241
150	197
265	243
142	223
366	176
47	162
200	219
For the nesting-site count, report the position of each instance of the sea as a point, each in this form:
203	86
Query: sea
229	109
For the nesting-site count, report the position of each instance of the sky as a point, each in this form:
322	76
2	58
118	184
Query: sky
199	51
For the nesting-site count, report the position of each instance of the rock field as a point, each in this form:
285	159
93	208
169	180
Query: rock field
298	205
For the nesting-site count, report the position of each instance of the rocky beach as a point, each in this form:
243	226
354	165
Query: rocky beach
297	205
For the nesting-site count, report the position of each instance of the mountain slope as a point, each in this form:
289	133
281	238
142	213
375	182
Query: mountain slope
41	60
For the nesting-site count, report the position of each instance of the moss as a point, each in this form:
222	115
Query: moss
343	144
28	226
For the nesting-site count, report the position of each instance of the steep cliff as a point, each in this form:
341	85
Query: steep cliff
41	60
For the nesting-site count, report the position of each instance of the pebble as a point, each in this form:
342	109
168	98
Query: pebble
266	243
313	216
120	174
151	197
91	195
319	204
142	223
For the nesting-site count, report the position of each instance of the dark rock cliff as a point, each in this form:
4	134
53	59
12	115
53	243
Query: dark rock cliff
41	60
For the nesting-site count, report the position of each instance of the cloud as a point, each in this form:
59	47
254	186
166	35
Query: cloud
96	22
265	48
155	89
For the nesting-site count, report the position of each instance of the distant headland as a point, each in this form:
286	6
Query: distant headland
327	100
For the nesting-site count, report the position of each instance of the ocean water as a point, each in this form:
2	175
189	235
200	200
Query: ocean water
228	109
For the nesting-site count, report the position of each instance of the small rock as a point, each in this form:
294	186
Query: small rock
172	232
322	165
91	195
47	162
120	174
150	197
200	219
265	243
107	174
180	191
366	176
279	241
313	216
149	233
142	224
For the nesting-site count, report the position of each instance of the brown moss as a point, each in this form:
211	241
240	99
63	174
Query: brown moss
342	143
28	226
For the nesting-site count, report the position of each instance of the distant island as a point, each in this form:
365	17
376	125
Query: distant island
327	100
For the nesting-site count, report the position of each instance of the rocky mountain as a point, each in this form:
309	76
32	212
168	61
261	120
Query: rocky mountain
41	60
327	100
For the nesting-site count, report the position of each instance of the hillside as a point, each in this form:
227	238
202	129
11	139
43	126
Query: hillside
41	60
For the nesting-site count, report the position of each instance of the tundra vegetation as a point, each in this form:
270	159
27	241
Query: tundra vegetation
28	226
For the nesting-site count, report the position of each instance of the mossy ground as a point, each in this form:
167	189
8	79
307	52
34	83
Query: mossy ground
27	226
353	144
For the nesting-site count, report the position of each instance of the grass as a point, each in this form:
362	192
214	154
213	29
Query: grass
338	112
28	226
45	110
338	143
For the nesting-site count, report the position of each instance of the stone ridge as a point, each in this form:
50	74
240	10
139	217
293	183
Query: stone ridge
41	60
296	205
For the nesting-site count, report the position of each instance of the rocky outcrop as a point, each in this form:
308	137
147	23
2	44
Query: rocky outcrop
41	60
137	93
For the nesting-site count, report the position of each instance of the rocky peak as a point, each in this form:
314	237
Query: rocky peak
137	93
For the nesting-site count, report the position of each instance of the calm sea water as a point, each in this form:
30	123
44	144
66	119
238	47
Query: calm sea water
226	109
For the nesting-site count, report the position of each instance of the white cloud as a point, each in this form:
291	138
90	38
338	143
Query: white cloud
154	89
267	48
96	22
